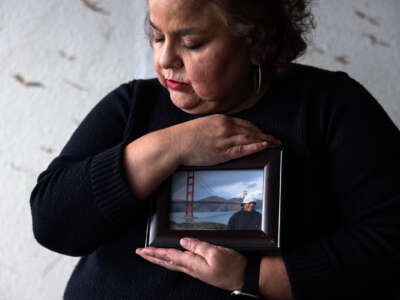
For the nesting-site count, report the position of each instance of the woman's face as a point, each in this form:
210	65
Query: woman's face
205	68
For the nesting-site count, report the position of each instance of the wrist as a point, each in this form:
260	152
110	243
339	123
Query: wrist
173	148
250	286
148	161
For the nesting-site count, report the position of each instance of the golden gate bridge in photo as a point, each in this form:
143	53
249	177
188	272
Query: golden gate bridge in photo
190	190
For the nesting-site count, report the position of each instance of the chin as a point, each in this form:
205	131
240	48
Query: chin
200	109
194	110
187	104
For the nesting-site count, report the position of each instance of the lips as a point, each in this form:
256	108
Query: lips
176	85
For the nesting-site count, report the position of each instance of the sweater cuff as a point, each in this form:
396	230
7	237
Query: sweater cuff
309	274
111	191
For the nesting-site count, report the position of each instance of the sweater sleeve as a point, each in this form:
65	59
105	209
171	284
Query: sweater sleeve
83	197
363	164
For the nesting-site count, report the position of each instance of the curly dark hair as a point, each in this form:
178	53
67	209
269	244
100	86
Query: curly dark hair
280	26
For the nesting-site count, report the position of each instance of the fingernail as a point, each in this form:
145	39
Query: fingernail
184	242
274	142
138	250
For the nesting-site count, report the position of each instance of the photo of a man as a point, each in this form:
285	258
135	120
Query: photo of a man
247	218
207	199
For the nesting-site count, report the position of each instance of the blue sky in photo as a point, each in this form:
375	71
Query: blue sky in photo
223	183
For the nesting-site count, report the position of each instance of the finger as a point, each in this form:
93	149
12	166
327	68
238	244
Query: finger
172	259
200	248
211	254
233	150
160	257
261	136
248	129
250	138
244	150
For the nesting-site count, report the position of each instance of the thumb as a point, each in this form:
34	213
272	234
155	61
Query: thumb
196	246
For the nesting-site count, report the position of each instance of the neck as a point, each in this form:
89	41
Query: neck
251	100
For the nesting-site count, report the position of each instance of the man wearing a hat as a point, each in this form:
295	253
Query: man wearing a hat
247	218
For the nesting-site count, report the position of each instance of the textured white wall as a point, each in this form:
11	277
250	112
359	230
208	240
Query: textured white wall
362	38
58	58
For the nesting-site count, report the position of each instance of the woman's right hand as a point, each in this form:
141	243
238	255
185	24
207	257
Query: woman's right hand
215	139
204	141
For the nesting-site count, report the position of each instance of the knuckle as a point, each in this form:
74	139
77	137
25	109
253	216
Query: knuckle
165	257
221	120
247	123
192	246
237	151
248	136
219	145
229	154
220	117
221	123
221	131
213	254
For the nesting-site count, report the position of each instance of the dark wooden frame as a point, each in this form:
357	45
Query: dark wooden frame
265	240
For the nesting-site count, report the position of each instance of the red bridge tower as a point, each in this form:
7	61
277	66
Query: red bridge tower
189	194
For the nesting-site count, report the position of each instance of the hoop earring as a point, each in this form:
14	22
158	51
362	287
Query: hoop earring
259	81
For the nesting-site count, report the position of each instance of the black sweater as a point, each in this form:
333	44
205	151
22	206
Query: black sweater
341	210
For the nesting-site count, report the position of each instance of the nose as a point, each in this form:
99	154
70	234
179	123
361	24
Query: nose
169	58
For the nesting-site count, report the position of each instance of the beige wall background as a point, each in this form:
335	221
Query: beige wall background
59	58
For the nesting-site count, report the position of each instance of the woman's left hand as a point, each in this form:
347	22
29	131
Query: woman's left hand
215	265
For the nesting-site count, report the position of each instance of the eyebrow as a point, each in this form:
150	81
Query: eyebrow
180	32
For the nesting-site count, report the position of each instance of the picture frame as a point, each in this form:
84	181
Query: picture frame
200	202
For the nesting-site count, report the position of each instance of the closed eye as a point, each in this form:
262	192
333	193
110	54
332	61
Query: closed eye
193	46
156	37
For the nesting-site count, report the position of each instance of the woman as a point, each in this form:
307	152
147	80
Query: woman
226	89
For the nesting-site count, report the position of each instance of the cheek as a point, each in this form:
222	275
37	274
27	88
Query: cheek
211	65
207	73
158	69
155	62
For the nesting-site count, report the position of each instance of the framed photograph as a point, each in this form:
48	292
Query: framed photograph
235	204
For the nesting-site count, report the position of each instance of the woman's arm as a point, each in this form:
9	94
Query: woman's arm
209	140
274	281
83	198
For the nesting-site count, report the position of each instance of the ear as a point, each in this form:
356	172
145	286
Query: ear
256	54
256	47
